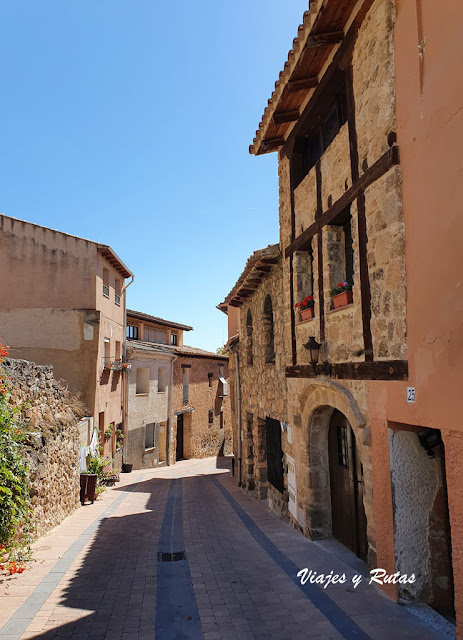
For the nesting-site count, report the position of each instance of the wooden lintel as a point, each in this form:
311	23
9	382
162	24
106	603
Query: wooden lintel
302	83
324	39
273	143
373	173
266	261
285	116
379	370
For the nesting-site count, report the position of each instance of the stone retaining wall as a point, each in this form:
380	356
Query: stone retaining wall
52	446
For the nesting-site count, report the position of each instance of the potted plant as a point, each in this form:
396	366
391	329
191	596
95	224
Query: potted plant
342	295
306	308
109	432
119	439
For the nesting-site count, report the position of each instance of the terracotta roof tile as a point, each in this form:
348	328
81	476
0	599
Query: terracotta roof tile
138	315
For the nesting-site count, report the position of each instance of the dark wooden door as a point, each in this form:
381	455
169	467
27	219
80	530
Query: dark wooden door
180	437
346	481
274	454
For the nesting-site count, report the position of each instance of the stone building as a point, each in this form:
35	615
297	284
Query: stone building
348	420
63	303
202	422
151	343
177	405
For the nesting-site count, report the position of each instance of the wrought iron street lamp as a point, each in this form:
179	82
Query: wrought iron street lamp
313	347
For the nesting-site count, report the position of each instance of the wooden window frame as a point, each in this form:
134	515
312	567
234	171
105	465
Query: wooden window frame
135	332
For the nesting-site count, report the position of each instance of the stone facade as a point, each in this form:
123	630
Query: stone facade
201	437
52	447
304	405
378	413
267	397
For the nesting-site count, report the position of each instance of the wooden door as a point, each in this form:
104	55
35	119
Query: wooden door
180	437
346	481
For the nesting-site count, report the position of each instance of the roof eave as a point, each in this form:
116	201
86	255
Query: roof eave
107	252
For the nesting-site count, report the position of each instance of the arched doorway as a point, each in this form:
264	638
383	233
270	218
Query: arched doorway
349	524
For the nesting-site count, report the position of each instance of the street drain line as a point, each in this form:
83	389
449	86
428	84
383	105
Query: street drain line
177	614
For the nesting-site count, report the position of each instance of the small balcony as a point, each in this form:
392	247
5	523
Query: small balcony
113	364
106	291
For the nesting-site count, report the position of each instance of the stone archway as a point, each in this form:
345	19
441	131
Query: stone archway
317	403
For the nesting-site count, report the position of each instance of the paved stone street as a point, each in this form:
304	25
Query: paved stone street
115	570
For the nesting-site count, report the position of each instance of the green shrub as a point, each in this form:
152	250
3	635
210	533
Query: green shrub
15	510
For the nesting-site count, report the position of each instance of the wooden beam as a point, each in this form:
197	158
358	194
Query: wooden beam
302	83
324	39
273	143
321	290
365	292
373	173
266	261
291	267
285	116
379	370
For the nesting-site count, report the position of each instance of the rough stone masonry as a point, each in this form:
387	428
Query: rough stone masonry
52	449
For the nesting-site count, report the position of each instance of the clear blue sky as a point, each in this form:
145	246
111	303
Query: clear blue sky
129	123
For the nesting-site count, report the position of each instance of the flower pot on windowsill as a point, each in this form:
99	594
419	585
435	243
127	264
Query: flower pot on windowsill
343	299
307	314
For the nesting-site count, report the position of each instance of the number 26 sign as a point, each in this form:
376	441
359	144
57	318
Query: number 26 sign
411	395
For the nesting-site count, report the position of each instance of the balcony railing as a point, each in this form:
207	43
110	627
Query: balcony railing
106	290
113	364
117	299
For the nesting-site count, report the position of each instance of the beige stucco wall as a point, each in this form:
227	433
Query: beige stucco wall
144	409
67	339
55	311
39	267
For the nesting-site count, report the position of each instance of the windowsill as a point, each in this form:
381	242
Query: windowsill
306	321
150	449
118	304
162	392
140	395
346	306
106	295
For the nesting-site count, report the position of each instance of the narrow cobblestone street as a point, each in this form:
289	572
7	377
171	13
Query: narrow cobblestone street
112	571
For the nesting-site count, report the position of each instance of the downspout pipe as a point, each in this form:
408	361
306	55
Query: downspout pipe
171	417
238	401
125	385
